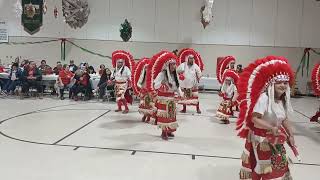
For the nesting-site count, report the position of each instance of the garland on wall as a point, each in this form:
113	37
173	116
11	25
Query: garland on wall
305	61
63	42
304	65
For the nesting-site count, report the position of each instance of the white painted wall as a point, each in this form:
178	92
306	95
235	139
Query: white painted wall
285	23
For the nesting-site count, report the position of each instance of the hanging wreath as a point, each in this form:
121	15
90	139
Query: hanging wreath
126	31
76	12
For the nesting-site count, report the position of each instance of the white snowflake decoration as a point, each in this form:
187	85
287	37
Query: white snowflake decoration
207	12
18	8
76	12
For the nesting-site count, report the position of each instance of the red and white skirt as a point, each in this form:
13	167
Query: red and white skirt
120	88
225	109
264	160
166	111
190	97
147	105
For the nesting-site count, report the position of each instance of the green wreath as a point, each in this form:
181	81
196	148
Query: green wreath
126	31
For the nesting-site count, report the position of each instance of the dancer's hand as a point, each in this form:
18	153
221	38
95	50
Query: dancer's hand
292	141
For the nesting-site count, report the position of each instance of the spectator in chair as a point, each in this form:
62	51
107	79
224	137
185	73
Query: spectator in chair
58	68
14	79
72	66
102	69
105	83
24	64
91	70
82	84
64	80
31	77
44	68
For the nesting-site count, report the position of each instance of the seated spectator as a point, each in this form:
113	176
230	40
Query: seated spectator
24	64
1	69
14	79
31	77
58	68
65	80
82	84
102	69
91	70
44	68
72	66
105	83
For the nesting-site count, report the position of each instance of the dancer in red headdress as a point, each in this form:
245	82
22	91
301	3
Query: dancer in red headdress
163	83
189	69
315	79
264	93
229	95
139	78
123	63
225	63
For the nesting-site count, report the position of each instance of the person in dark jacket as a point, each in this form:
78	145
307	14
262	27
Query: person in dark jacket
31	77
82	84
14	79
105	83
44	68
72	66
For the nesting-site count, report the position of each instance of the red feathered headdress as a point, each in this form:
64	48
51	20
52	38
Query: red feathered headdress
222	66
184	53
157	64
253	81
135	76
315	78
230	74
127	57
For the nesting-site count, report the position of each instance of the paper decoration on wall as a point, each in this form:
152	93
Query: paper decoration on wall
32	15
206	13
45	8
4	35
126	31
18	9
76	12
55	12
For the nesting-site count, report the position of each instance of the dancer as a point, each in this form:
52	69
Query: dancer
189	70
229	94
163	82
315	79
264	92
139	76
123	63
227	62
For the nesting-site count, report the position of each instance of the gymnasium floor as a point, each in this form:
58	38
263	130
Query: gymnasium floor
50	139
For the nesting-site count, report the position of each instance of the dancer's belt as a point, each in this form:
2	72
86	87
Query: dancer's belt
121	82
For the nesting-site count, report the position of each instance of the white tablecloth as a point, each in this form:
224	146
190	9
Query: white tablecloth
209	83
4	75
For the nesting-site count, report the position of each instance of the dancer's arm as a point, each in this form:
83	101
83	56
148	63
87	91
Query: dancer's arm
257	120
287	126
